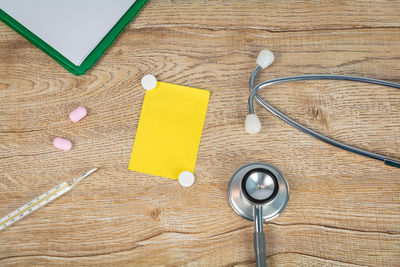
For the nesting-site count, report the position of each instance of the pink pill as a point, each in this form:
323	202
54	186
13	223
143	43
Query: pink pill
78	114
62	143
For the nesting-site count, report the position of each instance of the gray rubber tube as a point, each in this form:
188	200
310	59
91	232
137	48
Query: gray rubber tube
259	249
259	238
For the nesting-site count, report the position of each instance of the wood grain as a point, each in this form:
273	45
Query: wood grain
344	209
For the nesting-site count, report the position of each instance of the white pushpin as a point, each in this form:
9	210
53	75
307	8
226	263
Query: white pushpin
149	82
252	124
186	179
265	58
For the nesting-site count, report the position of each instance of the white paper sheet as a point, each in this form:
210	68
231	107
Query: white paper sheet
72	27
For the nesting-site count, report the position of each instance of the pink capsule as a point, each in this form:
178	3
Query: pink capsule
78	114
62	143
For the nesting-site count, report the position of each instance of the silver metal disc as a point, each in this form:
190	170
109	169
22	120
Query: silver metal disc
260	185
242	206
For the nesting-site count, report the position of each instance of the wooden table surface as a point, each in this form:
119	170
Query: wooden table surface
344	209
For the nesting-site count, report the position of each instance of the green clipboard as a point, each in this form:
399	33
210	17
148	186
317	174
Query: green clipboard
91	59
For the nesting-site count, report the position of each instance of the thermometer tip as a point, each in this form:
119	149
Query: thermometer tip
92	170
85	174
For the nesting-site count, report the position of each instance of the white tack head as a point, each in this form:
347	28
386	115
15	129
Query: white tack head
149	82
186	178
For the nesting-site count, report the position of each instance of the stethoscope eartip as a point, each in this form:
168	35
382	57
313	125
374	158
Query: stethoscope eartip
252	124
265	58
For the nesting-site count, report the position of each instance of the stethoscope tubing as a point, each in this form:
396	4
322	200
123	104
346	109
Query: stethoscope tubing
263	103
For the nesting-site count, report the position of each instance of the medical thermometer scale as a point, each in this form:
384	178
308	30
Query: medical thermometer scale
42	200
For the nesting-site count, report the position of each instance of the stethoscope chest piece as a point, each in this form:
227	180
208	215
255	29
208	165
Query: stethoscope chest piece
258	185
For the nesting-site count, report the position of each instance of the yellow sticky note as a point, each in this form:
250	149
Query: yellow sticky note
169	131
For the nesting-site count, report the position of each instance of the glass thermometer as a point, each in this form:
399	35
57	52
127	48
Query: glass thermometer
42	200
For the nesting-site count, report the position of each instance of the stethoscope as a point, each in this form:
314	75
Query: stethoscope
258	191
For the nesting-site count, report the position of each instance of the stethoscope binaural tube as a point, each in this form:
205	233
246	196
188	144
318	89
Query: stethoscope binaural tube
253	124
